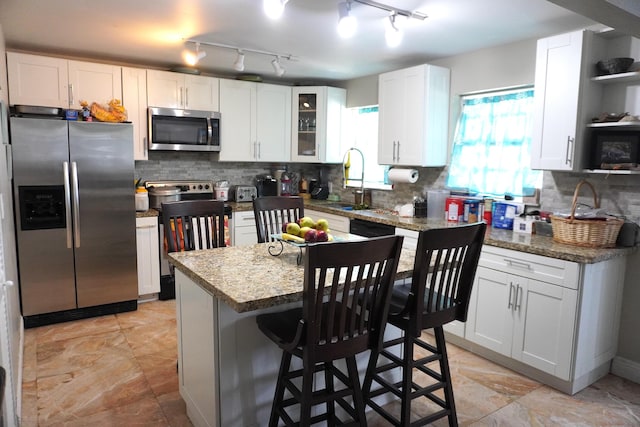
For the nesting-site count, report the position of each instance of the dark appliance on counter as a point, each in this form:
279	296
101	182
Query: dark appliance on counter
319	189
187	190
174	129
75	222
266	185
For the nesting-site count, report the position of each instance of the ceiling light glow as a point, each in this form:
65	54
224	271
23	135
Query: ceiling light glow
274	8
347	24
393	33
192	58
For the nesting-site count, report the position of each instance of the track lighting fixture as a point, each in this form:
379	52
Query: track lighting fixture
192	58
238	65
274	8
279	70
347	23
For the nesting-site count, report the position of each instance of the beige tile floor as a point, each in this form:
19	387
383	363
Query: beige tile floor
120	370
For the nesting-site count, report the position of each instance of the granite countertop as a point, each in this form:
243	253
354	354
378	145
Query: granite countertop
248	278
534	244
530	243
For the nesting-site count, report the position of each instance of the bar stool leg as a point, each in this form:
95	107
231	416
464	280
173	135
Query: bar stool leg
407	380
328	380
358	400
446	376
285	363
307	394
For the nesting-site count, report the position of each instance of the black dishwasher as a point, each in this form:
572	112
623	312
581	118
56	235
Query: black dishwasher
366	228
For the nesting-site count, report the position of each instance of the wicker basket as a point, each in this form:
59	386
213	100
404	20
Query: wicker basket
585	232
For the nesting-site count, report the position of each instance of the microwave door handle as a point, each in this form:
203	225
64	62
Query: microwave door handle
76	203
67	203
209	132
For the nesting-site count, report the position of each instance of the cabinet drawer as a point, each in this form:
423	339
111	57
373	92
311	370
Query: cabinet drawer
244	219
545	269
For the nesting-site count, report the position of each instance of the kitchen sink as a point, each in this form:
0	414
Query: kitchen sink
346	206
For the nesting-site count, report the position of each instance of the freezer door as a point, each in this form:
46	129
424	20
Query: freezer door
101	156
45	256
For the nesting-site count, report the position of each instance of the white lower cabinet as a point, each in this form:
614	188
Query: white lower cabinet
244	229
527	320
559	317
148	249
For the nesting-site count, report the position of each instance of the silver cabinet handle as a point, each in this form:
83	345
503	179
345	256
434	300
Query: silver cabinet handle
140	227
71	95
394	152
568	156
181	97
186	97
67	202
76	203
510	305
398	155
513	263
259	152
517	300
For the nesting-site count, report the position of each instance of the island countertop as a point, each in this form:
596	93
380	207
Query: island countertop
248	278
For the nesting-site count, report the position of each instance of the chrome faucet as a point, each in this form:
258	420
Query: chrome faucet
346	164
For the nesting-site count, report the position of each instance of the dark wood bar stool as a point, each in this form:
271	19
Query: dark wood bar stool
193	224
273	211
443	275
332	325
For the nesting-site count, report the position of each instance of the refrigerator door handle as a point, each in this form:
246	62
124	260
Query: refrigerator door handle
76	203
67	203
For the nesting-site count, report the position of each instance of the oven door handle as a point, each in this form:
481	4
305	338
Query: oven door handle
67	203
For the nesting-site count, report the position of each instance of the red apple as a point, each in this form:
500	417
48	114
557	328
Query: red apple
322	236
310	236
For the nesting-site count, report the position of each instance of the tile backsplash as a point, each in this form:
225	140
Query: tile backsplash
618	194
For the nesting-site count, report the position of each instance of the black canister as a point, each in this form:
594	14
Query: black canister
420	208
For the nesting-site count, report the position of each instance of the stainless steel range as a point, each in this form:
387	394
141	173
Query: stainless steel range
176	190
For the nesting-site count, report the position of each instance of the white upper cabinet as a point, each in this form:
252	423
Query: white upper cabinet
413	116
56	82
317	115
134	99
565	100
256	121
176	90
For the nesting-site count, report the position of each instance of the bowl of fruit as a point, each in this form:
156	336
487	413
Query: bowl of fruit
305	231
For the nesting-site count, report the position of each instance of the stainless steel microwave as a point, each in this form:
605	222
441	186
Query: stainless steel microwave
173	129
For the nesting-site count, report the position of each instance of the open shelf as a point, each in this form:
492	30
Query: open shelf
626	125
631	76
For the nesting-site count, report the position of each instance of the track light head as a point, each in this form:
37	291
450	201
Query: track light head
347	23
238	64
274	8
192	58
277	68
393	32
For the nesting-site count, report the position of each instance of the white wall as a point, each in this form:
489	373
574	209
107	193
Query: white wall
514	65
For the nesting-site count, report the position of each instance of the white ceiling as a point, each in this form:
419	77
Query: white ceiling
152	32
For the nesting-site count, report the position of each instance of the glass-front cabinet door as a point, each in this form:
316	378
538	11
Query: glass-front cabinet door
317	122
307	121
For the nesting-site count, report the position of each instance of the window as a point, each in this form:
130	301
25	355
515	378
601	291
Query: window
491	146
362	133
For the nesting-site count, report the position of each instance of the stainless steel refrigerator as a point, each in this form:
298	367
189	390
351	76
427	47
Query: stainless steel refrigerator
75	218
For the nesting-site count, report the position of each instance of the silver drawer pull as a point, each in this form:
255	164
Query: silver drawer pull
510	294
513	263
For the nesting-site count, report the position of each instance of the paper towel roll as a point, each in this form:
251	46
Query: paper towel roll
403	175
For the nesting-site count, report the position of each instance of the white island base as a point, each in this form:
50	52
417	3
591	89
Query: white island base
227	367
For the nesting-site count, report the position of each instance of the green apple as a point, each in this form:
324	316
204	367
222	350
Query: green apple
307	221
322	224
303	231
293	228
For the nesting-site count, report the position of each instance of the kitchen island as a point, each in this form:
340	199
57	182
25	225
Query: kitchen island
551	312
227	367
